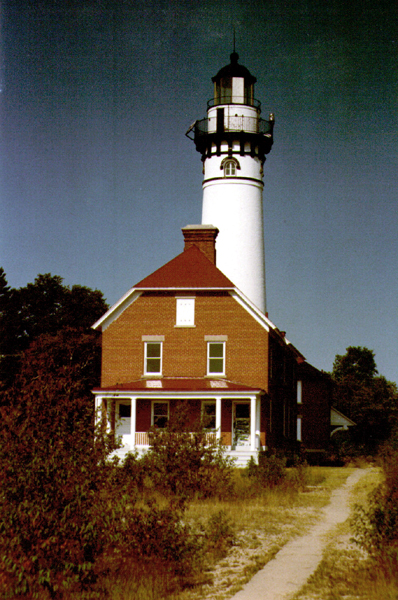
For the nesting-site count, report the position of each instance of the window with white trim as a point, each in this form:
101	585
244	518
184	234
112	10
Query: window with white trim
299	429
299	392
185	312
153	358
160	414
209	415
229	168
216	358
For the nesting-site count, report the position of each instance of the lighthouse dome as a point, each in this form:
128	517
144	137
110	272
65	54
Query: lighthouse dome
234	70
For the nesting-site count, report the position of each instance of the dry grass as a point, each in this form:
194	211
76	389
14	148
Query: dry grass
346	571
261	523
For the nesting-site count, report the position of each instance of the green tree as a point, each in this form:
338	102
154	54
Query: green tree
6	325
52	522
364	396
66	519
43	307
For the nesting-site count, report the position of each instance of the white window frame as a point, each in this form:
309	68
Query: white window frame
299	392
230	168
299	429
146	357
185	312
153	410
216	373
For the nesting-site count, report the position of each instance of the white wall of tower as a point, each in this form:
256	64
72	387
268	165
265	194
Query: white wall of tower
236	209
249	167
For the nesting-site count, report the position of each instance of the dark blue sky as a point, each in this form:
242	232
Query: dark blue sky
97	177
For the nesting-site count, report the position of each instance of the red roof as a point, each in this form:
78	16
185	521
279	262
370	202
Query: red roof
190	269
179	384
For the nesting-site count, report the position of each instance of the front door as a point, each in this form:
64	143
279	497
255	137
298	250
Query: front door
241	425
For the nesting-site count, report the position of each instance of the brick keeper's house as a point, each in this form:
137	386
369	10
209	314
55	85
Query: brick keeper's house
187	333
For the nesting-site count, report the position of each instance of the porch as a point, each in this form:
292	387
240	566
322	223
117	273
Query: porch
232	416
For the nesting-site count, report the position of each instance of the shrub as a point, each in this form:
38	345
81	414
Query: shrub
376	527
130	473
219	533
184	460
271	469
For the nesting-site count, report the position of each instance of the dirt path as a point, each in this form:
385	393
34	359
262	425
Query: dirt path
285	575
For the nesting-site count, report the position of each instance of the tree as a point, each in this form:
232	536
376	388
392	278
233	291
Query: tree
66	520
51	469
4	302
43	307
5	323
364	396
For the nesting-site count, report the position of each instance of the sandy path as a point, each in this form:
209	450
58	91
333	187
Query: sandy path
285	575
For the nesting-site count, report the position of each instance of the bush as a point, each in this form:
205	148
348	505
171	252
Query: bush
183	460
376	527
271	469
130	473
54	514
219	533
67	516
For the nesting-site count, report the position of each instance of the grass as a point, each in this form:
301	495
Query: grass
263	524
239	535
346	571
248	530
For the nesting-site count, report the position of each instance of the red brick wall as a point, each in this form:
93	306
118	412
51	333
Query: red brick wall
315	411
185	349
281	417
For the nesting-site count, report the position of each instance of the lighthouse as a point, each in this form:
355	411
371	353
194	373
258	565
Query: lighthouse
233	141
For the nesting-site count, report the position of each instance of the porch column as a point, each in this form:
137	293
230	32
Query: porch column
218	418
258	423
110	403
98	410
133	419
253	419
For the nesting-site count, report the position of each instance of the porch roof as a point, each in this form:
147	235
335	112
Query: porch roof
180	384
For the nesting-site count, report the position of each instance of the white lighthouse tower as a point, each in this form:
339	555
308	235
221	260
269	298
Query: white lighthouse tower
233	141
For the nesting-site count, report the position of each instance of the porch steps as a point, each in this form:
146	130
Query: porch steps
242	457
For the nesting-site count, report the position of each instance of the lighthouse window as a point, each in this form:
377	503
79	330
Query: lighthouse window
229	168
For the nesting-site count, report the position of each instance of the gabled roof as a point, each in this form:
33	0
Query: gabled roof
337	419
191	269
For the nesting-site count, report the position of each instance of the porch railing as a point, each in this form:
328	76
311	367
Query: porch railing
142	438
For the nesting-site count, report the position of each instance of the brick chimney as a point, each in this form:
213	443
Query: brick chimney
202	236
